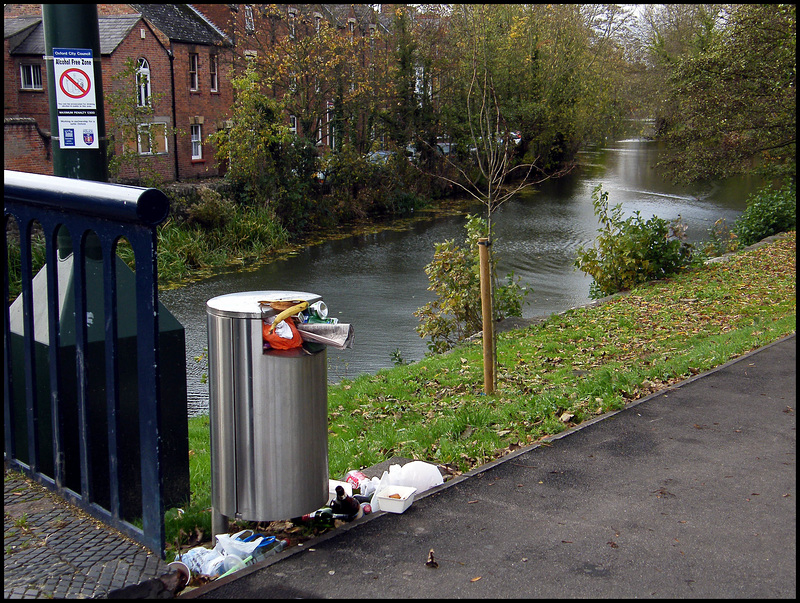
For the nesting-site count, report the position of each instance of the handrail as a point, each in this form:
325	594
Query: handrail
120	202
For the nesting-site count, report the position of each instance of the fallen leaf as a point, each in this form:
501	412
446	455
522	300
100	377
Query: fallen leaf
475	579
431	562
566	417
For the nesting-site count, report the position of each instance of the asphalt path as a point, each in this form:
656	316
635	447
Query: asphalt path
687	493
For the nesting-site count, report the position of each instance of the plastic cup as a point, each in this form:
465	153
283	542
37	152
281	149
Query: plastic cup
182	569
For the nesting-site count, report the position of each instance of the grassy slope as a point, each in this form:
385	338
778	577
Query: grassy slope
551	376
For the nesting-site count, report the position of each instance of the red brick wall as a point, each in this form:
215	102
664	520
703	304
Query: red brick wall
212	108
22	10
24	103
135	47
25	149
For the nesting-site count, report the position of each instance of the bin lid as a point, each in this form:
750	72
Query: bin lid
245	304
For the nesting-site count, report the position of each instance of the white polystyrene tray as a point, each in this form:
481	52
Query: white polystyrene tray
396	505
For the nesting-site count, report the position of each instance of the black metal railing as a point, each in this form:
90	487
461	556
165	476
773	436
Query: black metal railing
94	215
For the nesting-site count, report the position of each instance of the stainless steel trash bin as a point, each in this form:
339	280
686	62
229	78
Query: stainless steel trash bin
268	413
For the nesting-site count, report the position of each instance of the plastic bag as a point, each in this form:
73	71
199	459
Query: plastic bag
232	545
420	475
416	474
277	341
197	558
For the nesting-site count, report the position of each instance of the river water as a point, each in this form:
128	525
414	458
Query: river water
376	281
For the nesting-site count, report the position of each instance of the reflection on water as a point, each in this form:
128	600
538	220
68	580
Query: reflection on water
377	281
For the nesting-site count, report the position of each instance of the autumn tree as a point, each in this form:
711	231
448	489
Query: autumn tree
732	95
316	70
253	144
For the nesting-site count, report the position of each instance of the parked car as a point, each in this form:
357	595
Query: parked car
379	157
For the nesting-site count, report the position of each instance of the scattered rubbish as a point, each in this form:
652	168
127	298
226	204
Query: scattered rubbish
324	517
183	571
268	545
345	504
332	485
223	565
396	499
231	553
236	544
359	481
197	558
416	474
348	500
419	475
431	562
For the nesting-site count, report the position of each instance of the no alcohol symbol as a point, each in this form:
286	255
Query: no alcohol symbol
75	83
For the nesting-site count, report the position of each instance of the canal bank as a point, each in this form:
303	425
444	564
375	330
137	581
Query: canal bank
686	493
538	234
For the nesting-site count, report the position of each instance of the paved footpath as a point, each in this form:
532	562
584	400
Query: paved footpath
53	550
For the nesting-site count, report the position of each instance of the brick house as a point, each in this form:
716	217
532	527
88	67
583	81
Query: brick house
252	28
178	56
186	55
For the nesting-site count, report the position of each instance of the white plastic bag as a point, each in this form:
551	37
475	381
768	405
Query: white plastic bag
231	545
197	558
420	475
416	474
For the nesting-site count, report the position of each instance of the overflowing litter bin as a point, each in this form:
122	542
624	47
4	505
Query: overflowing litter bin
268	408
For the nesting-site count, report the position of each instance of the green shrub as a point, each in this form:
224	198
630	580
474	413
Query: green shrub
212	211
722	240
768	212
14	265
630	252
454	276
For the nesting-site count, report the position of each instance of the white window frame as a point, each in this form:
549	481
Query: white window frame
197	141
29	73
149	128
329	125
293	124
249	22
194	69
292	22
144	91
212	69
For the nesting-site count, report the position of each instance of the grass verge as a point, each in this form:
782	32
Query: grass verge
551	376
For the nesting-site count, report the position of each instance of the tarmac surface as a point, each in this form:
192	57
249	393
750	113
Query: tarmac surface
687	493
